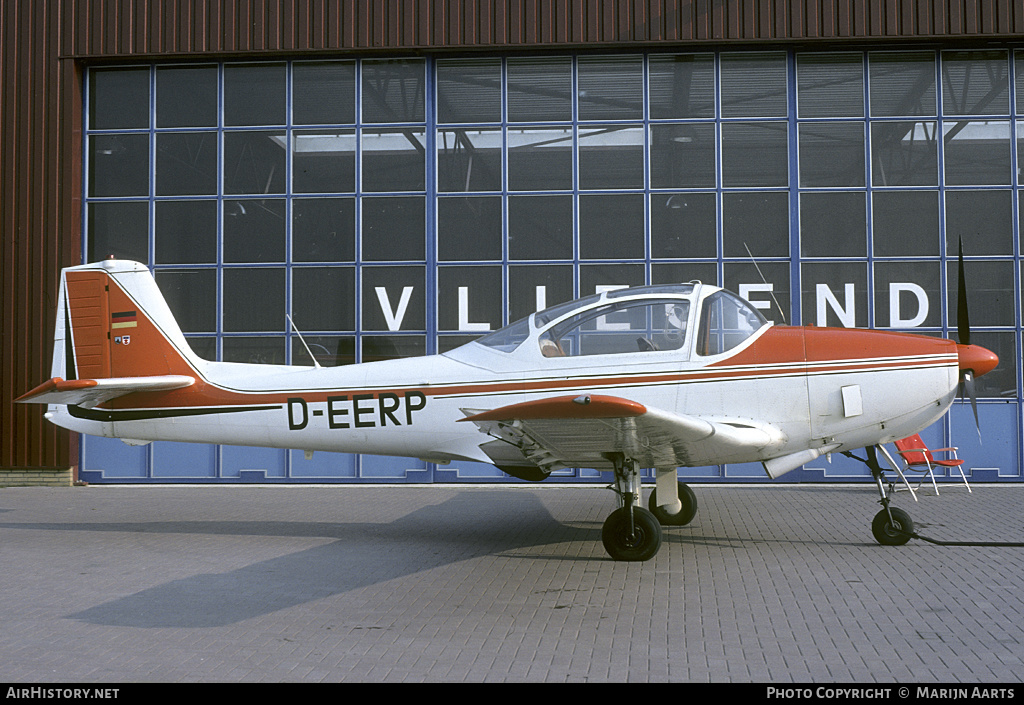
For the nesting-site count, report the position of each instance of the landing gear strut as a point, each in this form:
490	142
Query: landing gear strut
631	533
891	526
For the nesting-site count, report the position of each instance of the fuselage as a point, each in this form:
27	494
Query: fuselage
820	388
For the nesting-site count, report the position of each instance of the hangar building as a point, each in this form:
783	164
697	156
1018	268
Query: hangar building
401	176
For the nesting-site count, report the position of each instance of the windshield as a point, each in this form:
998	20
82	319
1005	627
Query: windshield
508	338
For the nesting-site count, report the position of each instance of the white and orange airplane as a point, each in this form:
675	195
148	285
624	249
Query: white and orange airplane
663	377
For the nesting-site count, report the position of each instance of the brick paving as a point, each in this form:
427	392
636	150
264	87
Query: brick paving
772	584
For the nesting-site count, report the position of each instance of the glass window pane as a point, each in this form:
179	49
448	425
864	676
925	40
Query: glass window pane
977	153
324	298
833	224
540	227
324	93
610	87
191	295
393	91
255	350
684	225
834	294
745	279
469	160
990	292
204	347
533	288
754	85
186	163
394	298
830	85
758	220
118	98
905	223
539	89
682	86
328	350
254	162
254	230
243	286
612	226
119	165
394	228
1002	381
469	90
324	229
975	83
902	83
469	228
832	154
595	278
118	230
755	154
324	161
683	155
681	272
186	96
983	219
392	347
611	157
908	294
904	154
394	160
254	94
469	299
186	232
540	160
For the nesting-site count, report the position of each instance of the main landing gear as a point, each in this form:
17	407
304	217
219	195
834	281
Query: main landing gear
632	533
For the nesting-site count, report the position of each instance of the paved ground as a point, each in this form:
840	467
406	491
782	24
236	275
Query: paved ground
357	583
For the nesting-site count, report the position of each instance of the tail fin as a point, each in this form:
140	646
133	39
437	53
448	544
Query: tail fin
114	335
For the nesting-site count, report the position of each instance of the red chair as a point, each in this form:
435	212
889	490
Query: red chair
918	458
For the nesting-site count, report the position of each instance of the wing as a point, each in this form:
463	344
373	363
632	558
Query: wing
90	392
585	431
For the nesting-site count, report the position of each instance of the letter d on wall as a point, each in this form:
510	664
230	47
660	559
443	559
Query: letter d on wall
897	288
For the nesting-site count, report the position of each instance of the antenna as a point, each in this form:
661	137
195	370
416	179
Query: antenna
302	340
770	290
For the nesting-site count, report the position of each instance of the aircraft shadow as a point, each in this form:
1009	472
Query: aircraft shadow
467	526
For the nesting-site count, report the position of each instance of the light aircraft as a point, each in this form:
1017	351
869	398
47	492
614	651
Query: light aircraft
660	377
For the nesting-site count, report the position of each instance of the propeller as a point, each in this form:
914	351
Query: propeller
974	360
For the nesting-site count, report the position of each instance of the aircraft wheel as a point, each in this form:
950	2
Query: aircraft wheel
681	518
640	544
894	532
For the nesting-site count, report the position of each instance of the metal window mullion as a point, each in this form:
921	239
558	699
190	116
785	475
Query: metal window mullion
795	260
430	198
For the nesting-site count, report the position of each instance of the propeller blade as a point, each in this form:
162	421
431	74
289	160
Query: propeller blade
963	318
967	385
963	330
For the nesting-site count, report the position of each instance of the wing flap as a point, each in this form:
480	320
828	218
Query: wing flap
570	432
90	392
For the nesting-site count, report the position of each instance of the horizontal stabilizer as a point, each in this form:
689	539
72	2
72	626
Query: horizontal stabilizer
90	392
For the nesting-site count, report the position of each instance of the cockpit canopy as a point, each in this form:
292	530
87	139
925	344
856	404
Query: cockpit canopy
636	320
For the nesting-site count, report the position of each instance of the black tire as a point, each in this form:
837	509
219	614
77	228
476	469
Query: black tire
640	544
894	532
681	518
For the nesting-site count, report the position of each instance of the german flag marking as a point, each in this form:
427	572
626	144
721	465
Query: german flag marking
124	319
